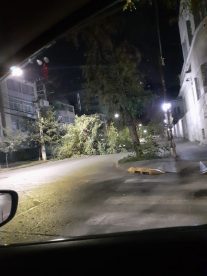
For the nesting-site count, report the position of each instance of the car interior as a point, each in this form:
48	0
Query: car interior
167	251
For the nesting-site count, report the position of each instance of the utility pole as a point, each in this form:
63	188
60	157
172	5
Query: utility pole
161	58
39	117
168	111
41	101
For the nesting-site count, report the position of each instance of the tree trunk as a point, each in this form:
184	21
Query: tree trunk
42	145
43	152
6	155
135	139
131	124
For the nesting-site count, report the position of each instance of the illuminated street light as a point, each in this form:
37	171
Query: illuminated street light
166	107
16	71
116	115
39	62
145	131
46	59
140	125
169	123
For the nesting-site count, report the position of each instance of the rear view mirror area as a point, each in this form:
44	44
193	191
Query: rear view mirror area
8	205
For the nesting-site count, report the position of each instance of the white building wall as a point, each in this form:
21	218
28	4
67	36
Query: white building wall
193	125
178	130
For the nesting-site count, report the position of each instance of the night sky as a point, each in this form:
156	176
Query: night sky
144	36
139	28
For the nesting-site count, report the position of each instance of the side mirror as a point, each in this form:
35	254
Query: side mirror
8	205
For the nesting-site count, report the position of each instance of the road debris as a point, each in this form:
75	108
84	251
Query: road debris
145	170
203	168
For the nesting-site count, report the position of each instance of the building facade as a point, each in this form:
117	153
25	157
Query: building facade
17	103
18	100
192	124
64	112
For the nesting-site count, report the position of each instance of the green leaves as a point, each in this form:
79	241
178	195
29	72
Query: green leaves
170	4
88	136
50	127
116	79
12	140
129	5
82	138
112	73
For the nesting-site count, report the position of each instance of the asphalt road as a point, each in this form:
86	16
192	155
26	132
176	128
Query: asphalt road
92	196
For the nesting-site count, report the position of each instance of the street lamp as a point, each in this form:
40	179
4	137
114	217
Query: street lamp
145	131
116	115
166	107
16	71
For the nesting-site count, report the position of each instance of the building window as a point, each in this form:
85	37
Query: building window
198	89
40	88
16	122
14	125
203	134
24	88
189	30
71	108
27	89
18	105
199	11
185	104
185	50
13	85
204	74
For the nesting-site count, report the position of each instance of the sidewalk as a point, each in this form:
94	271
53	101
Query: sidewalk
20	164
190	151
189	154
25	164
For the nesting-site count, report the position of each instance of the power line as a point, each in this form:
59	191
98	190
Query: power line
162	60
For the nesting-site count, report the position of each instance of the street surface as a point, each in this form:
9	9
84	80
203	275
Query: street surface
91	196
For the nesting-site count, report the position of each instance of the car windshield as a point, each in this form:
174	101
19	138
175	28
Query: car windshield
105	129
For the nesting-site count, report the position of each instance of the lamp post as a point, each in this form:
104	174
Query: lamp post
168	121
18	72
42	102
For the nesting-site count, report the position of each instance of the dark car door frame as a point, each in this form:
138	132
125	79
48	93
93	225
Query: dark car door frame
80	17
